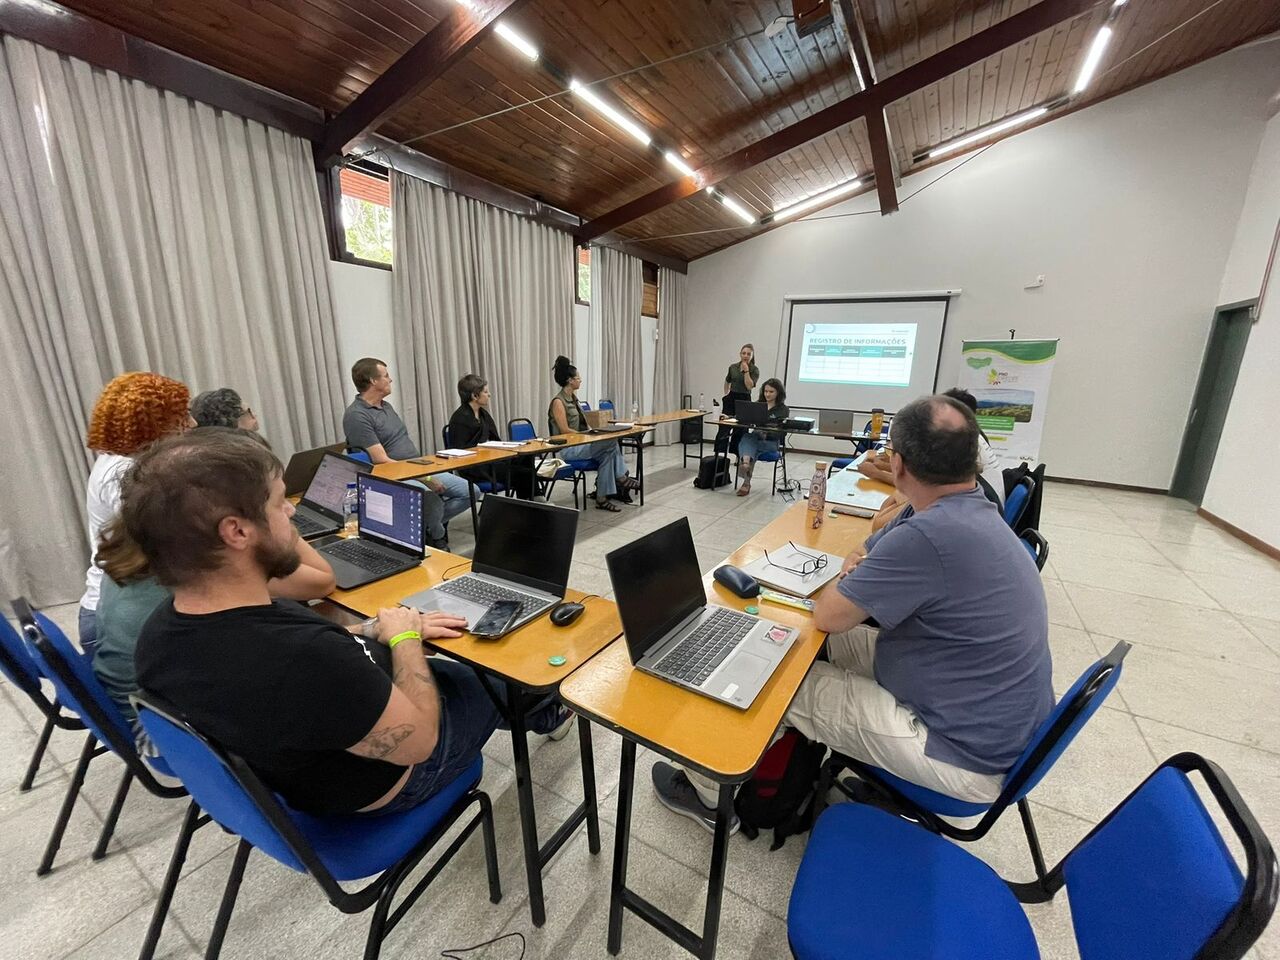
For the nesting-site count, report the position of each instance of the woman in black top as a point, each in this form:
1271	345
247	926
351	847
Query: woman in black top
757	442
739	381
471	424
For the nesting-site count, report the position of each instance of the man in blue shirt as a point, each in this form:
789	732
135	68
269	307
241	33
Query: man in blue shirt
950	687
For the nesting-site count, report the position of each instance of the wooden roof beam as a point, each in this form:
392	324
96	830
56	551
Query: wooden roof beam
884	162
1021	26
445	44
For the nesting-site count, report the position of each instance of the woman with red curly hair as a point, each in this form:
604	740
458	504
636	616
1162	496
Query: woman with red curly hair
133	411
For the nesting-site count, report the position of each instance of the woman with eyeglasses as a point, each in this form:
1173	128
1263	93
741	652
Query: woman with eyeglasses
222	408
565	415
756	442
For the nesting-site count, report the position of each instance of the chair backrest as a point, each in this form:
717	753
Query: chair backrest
1015	505
444	435
356	453
1036	545
607	405
78	689
225	788
1156	879
521	429
17	665
584	405
1063	723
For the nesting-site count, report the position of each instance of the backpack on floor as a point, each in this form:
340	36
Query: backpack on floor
712	472
780	794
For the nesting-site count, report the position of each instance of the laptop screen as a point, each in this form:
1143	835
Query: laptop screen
329	484
656	584
391	512
748	411
526	542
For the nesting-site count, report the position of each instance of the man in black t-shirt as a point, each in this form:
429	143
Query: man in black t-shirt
334	722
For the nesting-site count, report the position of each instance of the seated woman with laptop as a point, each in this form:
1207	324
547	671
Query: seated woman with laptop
565	416
472	424
756	442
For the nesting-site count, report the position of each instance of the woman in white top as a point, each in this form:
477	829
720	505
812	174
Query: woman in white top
133	411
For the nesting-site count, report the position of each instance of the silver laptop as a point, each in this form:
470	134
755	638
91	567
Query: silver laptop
674	634
523	552
835	421
320	509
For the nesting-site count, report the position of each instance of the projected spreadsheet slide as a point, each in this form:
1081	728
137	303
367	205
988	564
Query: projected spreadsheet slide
872	354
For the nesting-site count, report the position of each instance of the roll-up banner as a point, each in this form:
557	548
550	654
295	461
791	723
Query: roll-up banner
1010	379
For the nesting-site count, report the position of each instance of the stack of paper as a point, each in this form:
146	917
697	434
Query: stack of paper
448	454
502	444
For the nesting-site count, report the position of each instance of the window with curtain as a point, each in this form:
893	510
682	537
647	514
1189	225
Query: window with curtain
582	272
649	299
366	213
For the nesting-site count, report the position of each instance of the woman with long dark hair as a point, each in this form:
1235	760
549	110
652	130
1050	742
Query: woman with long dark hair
756	442
565	415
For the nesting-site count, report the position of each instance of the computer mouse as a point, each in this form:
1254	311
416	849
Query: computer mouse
565	613
737	580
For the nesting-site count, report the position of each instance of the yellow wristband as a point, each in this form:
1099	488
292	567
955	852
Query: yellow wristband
407	635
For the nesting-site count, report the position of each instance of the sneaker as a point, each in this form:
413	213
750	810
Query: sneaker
675	792
562	731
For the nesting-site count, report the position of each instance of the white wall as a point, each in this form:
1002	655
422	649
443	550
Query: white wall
1242	486
1128	208
362	304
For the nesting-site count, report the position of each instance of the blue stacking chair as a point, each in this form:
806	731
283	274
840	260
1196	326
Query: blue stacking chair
1038	757
575	471
81	692
358	453
1036	545
17	665
332	849
776	458
632	443
1015	504
1155	880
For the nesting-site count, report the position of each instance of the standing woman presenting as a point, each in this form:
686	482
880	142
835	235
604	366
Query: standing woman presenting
738	384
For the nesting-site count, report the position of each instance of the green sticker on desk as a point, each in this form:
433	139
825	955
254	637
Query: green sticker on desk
753	609
556	661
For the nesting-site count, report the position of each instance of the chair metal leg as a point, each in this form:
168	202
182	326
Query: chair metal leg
88	752
1033	842
37	755
190	823
113	815
228	901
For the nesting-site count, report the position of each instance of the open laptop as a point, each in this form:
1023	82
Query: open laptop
835	421
674	634
391	534
751	413
302	466
523	551
320	509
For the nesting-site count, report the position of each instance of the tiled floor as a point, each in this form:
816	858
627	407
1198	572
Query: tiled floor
1202	610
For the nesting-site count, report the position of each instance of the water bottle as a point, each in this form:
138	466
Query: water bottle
702	402
818	495
635	411
351	510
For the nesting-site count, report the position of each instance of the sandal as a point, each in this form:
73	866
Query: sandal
629	483
608	505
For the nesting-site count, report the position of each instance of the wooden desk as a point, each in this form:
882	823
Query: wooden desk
521	661
717	740
575	439
678	416
408	470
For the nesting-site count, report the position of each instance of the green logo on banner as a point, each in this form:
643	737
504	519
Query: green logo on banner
978	362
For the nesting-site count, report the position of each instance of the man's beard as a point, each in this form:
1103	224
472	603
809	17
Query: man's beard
277	560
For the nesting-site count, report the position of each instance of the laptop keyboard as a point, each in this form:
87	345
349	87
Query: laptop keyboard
485	593
308	527
696	657
362	555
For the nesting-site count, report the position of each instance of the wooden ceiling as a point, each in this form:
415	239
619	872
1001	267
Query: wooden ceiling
706	105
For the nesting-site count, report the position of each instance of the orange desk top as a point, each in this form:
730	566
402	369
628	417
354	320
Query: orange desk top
671	416
718	740
408	470
521	656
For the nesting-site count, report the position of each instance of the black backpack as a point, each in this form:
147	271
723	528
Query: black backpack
712	472
780	793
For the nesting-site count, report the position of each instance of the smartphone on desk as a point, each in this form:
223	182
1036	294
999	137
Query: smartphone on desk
497	619
425	461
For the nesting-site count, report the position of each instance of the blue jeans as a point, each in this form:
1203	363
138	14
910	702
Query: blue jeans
88	624
753	444
607	453
468	717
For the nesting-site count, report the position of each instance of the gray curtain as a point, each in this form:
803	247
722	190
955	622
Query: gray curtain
140	230
617	290
669	374
475	290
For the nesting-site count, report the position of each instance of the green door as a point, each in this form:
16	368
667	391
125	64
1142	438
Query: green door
1222	356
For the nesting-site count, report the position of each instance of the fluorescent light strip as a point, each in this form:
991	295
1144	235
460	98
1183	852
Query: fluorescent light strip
741	212
619	118
1100	41
1015	121
816	200
517	41
677	161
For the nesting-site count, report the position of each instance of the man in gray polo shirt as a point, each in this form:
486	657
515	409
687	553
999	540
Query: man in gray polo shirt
949	689
371	423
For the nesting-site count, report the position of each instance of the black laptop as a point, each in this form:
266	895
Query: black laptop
751	413
302	467
392	534
320	510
